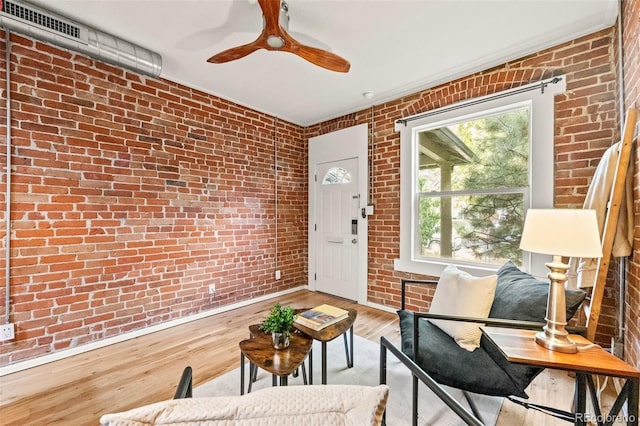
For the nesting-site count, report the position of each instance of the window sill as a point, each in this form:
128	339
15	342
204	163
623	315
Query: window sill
434	268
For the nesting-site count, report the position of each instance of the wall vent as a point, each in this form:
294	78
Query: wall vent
49	27
20	12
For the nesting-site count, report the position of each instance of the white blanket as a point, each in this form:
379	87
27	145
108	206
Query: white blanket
322	405
582	272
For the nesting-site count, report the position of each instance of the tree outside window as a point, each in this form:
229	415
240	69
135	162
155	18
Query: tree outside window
472	179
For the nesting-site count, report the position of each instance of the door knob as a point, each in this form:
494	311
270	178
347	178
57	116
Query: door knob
354	241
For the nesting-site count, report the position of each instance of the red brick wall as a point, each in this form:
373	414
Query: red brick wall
131	195
631	66
586	125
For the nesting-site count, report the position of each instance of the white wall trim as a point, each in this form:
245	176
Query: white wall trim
56	356
382	307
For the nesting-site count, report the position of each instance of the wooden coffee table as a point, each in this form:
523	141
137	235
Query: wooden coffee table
327	334
281	363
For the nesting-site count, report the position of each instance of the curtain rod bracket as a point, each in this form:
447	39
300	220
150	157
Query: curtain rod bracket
554	80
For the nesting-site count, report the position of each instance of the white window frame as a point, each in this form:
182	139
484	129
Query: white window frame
541	170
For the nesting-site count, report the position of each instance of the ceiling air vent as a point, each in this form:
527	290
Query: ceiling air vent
37	18
44	25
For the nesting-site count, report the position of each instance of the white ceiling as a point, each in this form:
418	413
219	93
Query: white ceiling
395	47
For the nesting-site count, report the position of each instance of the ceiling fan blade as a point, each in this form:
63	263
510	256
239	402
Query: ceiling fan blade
235	53
319	57
271	12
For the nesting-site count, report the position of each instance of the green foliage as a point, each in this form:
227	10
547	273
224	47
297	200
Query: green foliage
497	220
429	218
279	320
502	145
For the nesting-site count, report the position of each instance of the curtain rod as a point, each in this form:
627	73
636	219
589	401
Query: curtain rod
464	104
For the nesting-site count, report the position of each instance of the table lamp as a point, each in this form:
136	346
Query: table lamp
560	233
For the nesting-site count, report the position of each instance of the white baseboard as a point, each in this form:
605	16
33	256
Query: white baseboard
34	362
382	307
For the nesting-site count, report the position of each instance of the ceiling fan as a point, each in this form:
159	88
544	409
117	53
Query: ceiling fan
274	36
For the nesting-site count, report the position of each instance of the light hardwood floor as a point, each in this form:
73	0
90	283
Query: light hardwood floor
79	389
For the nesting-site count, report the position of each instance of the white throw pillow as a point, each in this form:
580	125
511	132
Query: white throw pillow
459	293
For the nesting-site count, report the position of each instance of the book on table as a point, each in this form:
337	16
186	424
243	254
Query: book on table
321	316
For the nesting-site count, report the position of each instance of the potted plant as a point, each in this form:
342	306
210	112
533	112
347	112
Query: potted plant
279	323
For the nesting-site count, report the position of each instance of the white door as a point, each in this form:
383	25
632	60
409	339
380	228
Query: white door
337	223
338	205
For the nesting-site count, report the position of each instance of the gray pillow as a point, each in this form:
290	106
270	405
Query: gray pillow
520	296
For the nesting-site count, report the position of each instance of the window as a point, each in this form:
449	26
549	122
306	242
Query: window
336	175
473	181
469	172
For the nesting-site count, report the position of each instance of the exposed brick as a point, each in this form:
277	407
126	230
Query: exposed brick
132	194
123	193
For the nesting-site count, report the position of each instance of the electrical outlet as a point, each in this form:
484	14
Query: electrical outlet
212	290
278	274
7	332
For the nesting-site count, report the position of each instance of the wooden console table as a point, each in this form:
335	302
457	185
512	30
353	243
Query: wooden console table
519	346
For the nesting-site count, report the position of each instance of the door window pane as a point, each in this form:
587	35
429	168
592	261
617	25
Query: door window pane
336	175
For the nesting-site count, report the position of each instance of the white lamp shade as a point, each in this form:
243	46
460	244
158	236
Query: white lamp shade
562	232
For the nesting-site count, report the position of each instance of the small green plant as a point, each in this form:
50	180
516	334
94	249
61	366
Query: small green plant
279	320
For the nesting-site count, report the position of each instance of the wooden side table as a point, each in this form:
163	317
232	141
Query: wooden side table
327	334
519	346
279	362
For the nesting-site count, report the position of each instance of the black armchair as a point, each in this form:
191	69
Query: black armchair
185	386
436	359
